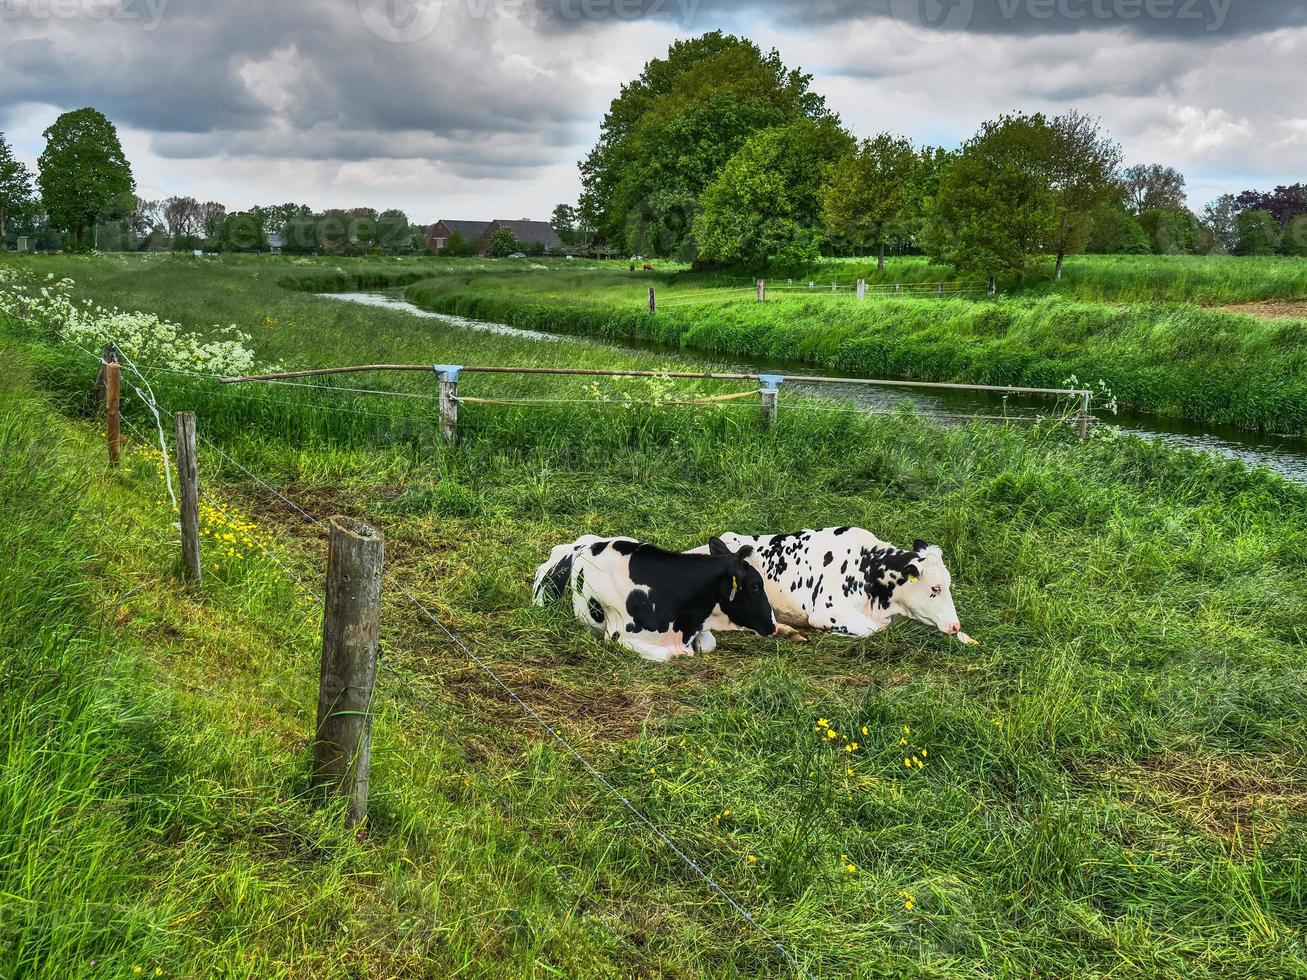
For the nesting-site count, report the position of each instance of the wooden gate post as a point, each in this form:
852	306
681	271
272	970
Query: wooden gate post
342	748
653	303
189	477
112	373
762	290
770	393
862	290
448	374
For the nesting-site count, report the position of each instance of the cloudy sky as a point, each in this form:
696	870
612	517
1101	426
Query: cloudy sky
481	108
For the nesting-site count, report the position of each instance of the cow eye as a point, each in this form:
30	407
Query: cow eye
936	591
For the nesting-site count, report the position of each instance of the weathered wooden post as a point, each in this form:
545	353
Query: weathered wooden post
896	287
351	622
1086	398
770	393
992	285
188	475
653	303
862	290
762	290
112	372
811	284
941	289
448	374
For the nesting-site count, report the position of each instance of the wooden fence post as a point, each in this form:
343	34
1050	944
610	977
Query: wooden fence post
762	290
112	372
941	289
1085	400
862	290
992	286
653	303
448	374
770	392
342	749
896	287
188	475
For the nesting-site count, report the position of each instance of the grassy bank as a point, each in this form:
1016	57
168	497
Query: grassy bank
1113	781
1179	361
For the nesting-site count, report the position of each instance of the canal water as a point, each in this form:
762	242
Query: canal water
1285	455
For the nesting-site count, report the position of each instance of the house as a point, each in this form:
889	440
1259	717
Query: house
479	234
441	232
527	233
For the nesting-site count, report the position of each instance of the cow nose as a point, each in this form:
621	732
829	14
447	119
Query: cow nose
954	629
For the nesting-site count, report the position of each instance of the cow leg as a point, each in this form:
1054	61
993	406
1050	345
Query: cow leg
853	624
705	642
790	633
657	652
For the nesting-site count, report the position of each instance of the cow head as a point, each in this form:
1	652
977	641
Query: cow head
741	592
924	593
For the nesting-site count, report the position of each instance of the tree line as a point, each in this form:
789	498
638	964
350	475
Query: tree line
83	197
722	155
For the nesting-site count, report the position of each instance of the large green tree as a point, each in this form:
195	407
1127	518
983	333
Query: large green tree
996	209
1082	173
764	208
84	172
16	196
867	200
669	133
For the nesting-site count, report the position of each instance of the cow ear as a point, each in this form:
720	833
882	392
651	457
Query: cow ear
744	552
717	546
912	573
919	546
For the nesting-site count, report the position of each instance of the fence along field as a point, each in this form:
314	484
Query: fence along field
1052	610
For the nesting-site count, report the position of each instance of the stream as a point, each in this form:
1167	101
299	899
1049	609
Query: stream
1286	455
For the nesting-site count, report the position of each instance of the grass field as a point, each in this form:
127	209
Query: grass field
1114	783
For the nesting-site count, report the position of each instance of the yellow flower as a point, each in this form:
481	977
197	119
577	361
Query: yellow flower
918	762
822	722
907	730
158	971
851	868
908	763
924	753
136	969
831	733
864	729
751	859
903	741
850	747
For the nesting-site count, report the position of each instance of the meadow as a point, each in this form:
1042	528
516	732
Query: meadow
1172	359
1113	782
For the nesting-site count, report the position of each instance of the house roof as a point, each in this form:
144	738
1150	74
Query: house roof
470	230
532	231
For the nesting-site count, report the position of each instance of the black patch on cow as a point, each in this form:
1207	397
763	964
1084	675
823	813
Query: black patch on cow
627	547
596	610
919	546
883	569
843	530
678	592
598	548
830	557
554	583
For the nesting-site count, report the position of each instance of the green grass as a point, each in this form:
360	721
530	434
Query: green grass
1115	781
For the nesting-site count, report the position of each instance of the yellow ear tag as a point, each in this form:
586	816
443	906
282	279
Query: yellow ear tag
735	583
912	578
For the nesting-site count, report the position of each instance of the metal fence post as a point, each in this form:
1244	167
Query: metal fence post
770	393
188	476
862	290
448	374
342	749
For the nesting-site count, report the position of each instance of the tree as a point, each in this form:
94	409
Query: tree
243	231
1152	186
563	221
393	229
669	133
1293	240
17	199
1171	231
996	208
502	243
181	216
867	197
1082	172
1258	233
1116	231
211	215
84	172
764	207
1283	203
1222	218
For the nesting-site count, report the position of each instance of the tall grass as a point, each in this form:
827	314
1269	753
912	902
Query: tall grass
1113	782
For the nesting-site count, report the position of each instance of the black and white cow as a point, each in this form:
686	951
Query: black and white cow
847	580
657	603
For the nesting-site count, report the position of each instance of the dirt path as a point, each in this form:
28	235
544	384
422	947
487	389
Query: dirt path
1271	309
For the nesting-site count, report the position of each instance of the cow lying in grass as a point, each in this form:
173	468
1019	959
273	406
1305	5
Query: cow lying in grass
657	603
846	580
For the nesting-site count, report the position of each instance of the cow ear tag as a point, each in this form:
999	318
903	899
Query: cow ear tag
735	587
913	578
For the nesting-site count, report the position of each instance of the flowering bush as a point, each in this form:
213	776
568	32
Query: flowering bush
143	337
